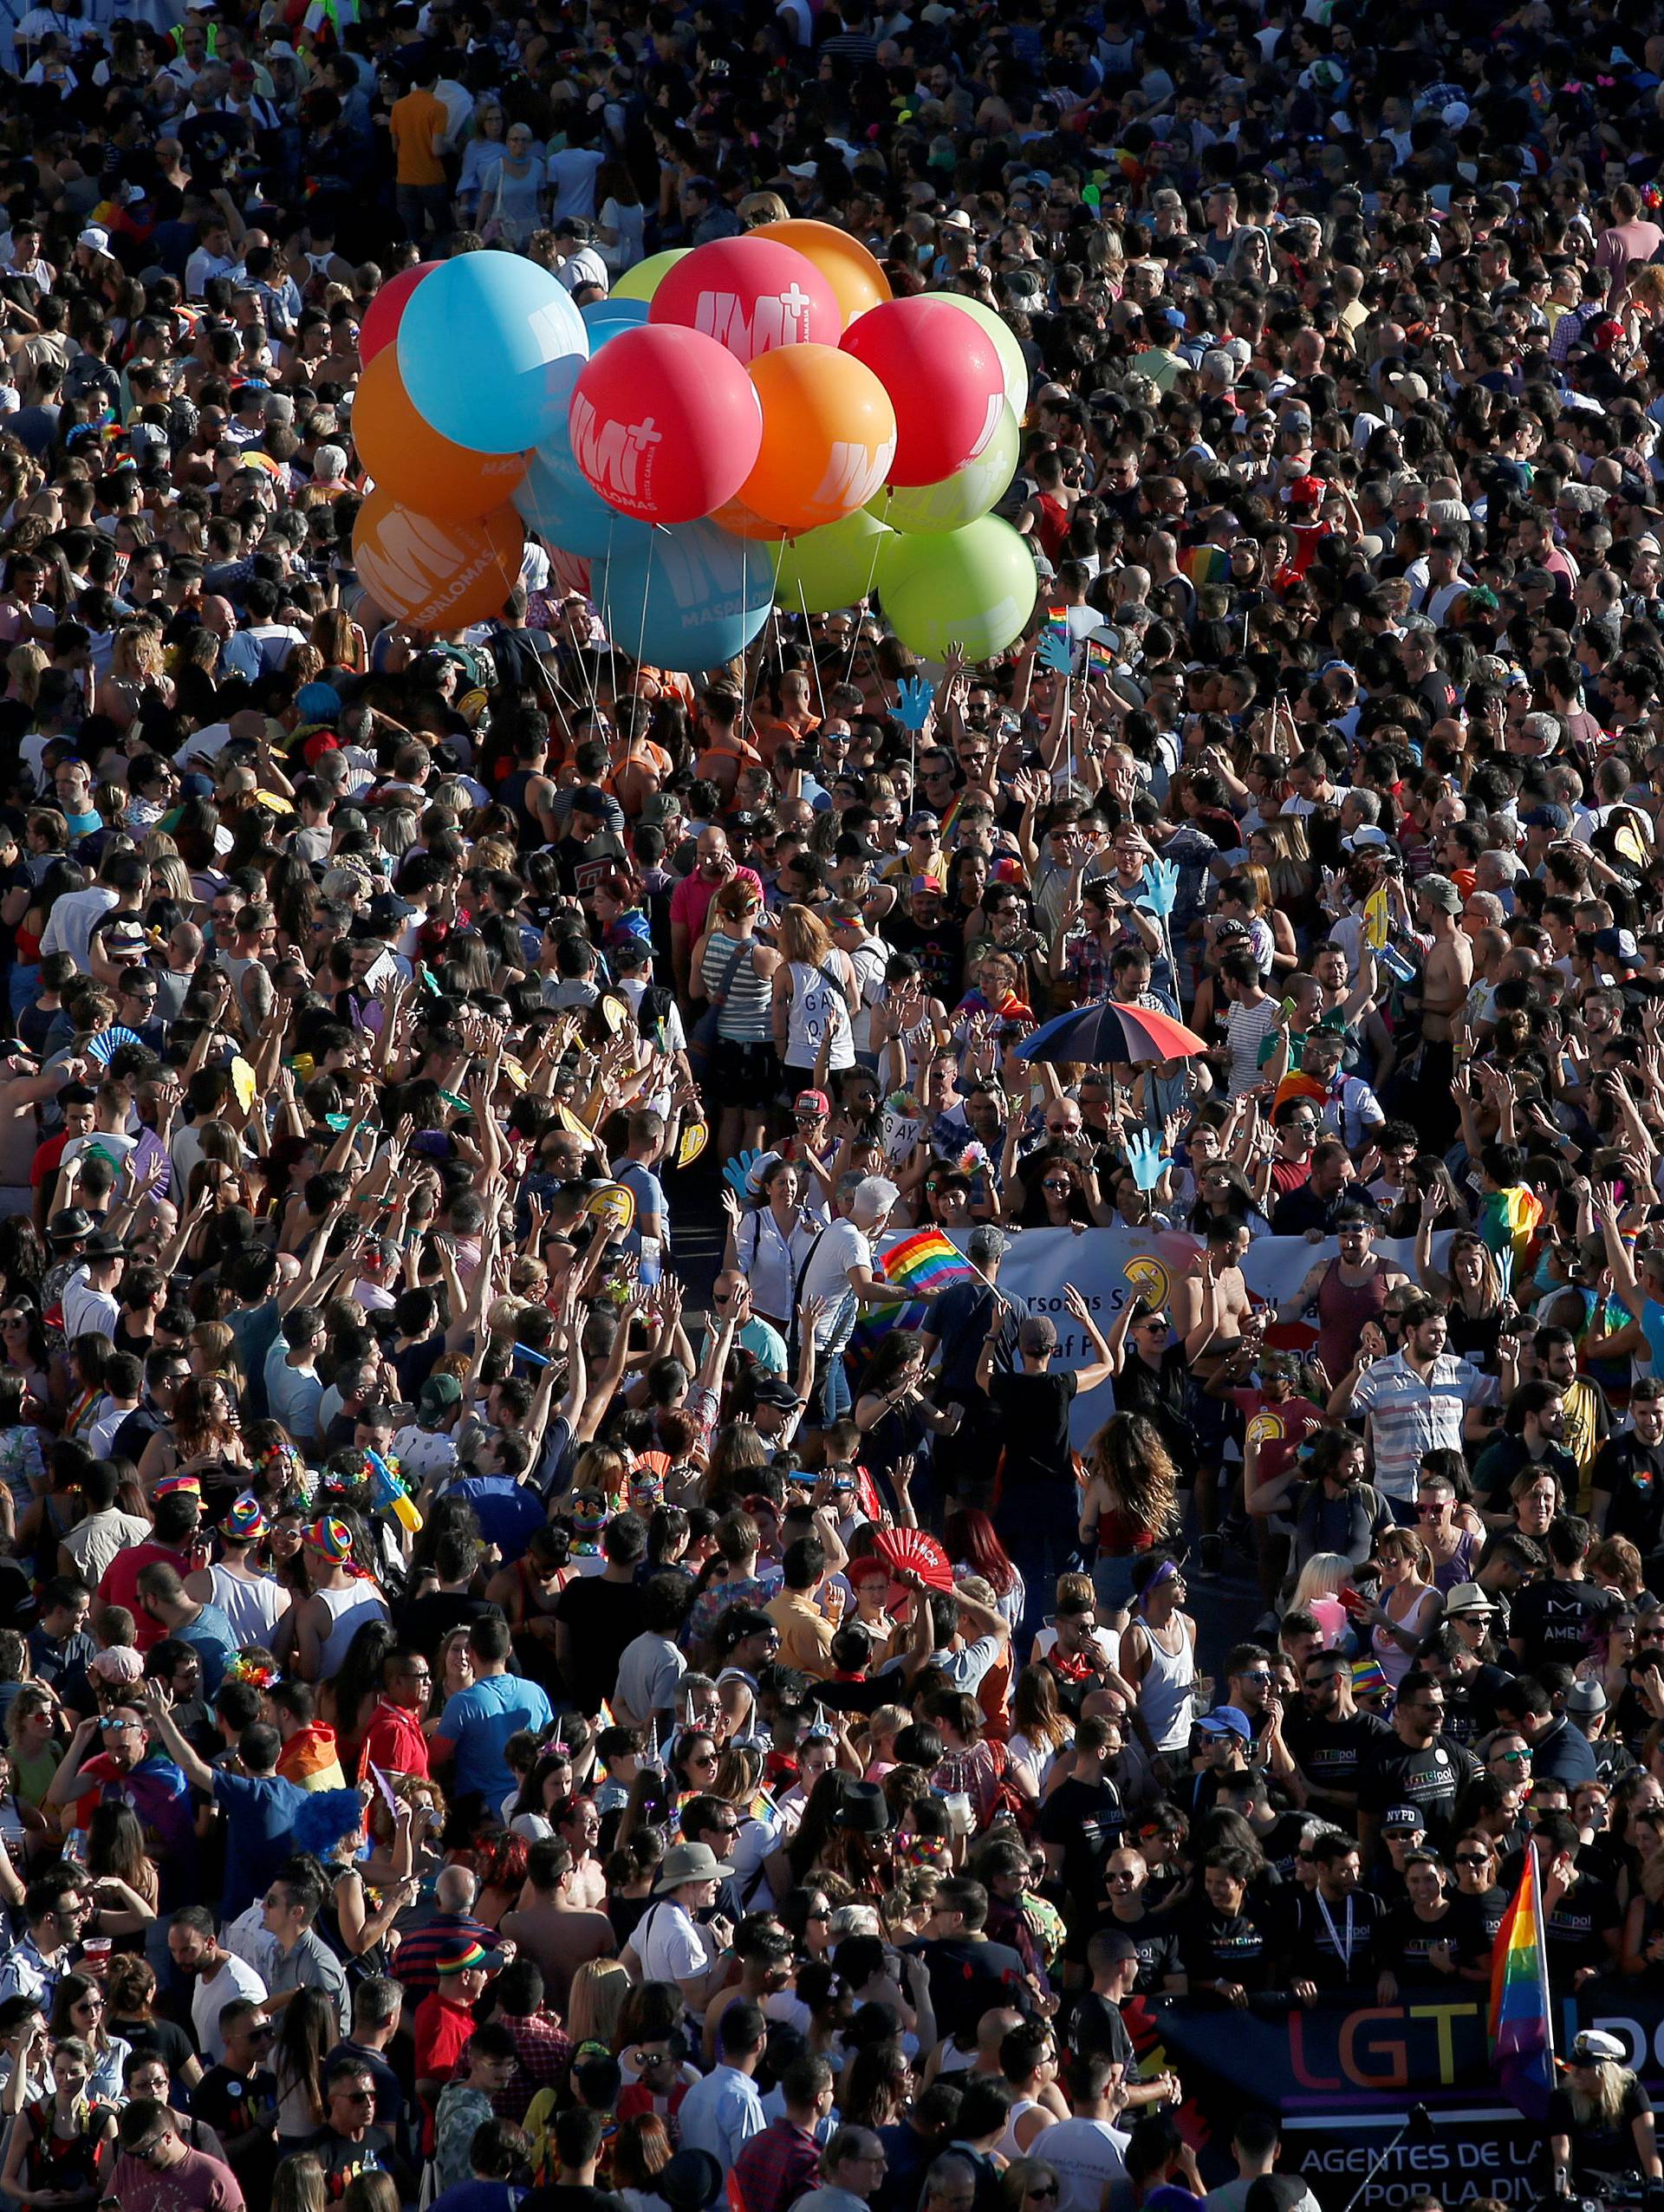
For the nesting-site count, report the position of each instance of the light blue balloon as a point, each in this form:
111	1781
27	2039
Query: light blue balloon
604	319
557	500
490	347
690	597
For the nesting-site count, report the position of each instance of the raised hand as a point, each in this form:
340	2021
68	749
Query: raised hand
1054	654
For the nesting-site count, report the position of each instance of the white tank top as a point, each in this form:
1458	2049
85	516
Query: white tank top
350	1608
1008	2145
1166	1695
253	1609
819	1009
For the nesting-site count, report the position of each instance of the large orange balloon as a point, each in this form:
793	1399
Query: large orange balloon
829	437
439	575
413	464
843	261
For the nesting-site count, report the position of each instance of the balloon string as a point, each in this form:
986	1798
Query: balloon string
642	635
771	627
854	635
814	657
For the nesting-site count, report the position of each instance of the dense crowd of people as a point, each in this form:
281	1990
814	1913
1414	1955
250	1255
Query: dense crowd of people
531	1672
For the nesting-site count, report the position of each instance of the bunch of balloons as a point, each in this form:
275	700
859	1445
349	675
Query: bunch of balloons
750	423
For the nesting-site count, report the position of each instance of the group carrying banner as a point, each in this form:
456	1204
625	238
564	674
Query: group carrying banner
1342	2076
1109	1266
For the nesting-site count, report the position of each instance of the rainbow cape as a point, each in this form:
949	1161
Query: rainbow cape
1521	2024
310	1761
1508	1220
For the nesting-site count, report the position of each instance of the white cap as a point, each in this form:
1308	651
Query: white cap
92	235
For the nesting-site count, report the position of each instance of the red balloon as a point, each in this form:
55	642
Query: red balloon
568	571
381	324
945	382
751	295
666	424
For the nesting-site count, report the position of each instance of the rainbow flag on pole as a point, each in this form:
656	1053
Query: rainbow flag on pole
927	1260
1522	2023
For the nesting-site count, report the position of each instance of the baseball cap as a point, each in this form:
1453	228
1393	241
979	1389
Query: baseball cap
436	1397
1364	838
1305	491
1442	892
1226	1720
97	238
811	1102
1401	1820
924	883
589	798
775	1390
1547	816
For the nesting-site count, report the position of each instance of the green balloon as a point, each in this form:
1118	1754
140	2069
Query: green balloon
831	567
644	280
932	508
1012	359
974	588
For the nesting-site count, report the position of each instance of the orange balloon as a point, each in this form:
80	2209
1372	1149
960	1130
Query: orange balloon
413	464
829	437
843	261
740	520
437	576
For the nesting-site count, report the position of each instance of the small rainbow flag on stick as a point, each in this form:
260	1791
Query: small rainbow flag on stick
1522	2023
927	1260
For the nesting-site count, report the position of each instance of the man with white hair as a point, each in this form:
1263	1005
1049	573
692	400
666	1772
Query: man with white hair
834	1279
329	469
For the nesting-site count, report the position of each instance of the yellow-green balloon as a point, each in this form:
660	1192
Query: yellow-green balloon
974	588
930	508
644	280
1005	345
829	568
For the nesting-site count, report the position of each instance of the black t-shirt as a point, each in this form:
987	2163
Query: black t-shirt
1557	1620
1332	1754
601	1618
969	1979
1471	1701
341	2158
1038	1475
1342	1950
938	950
1575	1931
1406	1940
1155	1940
242	2110
1473	1922
1431	1779
1085	1820
424	1622
1600	2155
1098	2030
583	864
1225	1946
1632	1475
1161	1393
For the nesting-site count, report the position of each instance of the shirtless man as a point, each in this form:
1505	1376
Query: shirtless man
551	1926
1210	1312
1446	976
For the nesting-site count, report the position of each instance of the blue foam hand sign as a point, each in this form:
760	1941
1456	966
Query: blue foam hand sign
737	1173
1159	888
916	699
1146	1160
1054	654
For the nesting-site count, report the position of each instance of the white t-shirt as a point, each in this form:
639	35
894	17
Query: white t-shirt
233	1979
1086	2156
826	1273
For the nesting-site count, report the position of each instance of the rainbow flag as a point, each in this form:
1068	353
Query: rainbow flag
310	1761
927	1260
1522	2024
1508	1221
1206	564
1100	661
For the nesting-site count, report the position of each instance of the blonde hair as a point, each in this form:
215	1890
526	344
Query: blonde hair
595	2002
1322	1576
803	936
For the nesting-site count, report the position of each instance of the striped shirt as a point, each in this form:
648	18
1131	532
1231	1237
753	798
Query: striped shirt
1409	1417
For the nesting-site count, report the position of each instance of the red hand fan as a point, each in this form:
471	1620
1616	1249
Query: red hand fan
910	1550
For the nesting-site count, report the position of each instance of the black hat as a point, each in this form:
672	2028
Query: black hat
691	2182
775	1390
70	1225
865	1810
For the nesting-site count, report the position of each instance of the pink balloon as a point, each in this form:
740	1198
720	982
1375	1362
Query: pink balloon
568	571
381	324
666	424
751	295
945	382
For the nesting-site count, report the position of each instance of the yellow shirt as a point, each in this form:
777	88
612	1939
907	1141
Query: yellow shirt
805	1633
